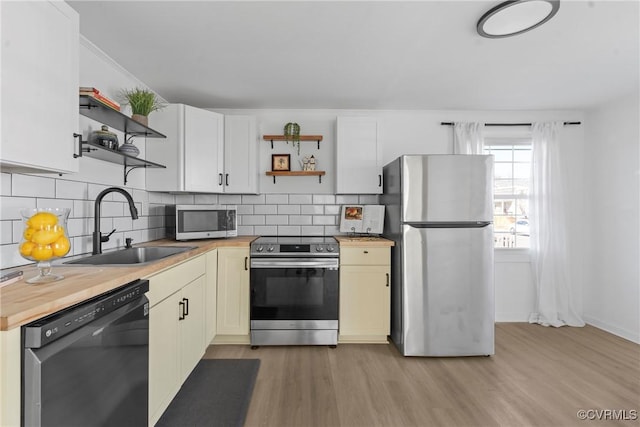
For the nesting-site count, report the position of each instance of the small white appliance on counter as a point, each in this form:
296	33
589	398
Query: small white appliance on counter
186	222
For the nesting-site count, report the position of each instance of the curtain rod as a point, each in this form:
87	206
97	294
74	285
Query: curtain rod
508	124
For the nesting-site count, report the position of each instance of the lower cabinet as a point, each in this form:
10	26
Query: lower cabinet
365	294
232	324
10	374
210	296
176	330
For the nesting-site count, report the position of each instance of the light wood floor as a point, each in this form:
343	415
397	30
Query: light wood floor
538	377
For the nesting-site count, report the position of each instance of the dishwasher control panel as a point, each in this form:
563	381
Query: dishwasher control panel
42	331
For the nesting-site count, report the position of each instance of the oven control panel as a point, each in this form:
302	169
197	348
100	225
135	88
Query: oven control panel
301	248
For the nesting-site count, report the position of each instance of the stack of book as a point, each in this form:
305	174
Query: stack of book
95	94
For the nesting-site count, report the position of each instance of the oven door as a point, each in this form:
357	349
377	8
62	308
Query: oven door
293	289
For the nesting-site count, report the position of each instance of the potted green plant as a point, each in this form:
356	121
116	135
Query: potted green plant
142	103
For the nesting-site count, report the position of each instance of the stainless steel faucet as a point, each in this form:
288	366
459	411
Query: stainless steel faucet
98	238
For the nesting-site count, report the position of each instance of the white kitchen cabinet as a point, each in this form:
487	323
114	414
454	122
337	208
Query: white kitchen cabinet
39	88
192	152
176	330
240	155
210	296
233	295
365	294
358	156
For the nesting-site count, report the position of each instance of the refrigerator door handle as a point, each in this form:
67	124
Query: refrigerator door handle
474	224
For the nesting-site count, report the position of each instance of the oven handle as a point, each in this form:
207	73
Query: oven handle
329	263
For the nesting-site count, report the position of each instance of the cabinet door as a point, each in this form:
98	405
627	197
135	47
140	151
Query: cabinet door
39	87
364	301
358	156
210	296
233	291
203	150
192	326
164	355
240	151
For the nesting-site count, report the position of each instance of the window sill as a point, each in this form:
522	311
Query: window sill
511	255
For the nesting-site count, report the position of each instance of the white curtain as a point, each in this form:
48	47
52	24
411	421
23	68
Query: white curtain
467	138
547	220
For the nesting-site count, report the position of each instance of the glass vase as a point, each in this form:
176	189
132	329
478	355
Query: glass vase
44	239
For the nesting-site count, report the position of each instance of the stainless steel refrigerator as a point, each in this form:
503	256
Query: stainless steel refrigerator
439	212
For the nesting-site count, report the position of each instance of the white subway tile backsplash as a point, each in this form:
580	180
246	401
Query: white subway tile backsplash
347	199
141	223
245	230
311	230
79	226
123	223
17	228
71	189
55	203
277	220
168	199
253	220
266	230
206	199
312	209
277	199
81	245
155	197
113	209
245	209
5	184
289	230
330	230
332	210
94	189
10	257
324	199
33	186
300	199
324	220
6	231
82	209
288	209
368	199
10	206
265	209
253	199
300	220
156	221
184	199
229	199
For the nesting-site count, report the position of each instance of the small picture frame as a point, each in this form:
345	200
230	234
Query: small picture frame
280	162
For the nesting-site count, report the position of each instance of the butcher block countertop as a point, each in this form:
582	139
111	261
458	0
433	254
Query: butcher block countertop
22	303
364	241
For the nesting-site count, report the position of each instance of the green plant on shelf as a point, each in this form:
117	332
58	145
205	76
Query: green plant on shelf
292	133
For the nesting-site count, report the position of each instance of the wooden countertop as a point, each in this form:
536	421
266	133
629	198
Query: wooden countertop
21	302
364	241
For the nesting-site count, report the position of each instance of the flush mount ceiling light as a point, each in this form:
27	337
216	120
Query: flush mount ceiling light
516	17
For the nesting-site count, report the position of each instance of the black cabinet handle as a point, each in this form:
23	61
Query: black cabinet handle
219	179
186	306
379	180
366	252
246	266
226	179
387	280
182	314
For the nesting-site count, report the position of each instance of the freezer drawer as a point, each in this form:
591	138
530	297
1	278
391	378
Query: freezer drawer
447	188
447	291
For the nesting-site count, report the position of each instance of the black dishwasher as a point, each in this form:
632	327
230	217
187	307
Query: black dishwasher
88	365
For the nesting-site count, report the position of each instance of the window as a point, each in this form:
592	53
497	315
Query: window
512	172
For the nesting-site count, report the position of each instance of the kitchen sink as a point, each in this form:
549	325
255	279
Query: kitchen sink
132	256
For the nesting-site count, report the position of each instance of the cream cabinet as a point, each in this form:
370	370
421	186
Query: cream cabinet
240	155
10	372
358	156
192	152
365	292
39	88
176	330
210	296
233	295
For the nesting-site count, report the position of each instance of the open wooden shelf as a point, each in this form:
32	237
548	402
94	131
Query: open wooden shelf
302	138
274	174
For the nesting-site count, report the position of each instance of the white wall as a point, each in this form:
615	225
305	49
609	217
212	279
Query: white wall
612	173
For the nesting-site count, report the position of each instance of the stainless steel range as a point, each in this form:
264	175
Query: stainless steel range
294	291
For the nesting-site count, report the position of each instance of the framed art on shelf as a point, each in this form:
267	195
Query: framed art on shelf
280	162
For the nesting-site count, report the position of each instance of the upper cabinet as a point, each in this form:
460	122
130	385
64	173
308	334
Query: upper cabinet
358	156
39	87
192	153
240	155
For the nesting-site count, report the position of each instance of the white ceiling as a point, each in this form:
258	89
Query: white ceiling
367	54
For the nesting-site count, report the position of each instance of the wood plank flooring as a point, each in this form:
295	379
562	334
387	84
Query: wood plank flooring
538	377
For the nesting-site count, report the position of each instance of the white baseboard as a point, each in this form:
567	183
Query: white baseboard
633	336
512	317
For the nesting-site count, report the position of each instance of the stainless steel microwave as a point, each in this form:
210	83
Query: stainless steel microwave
185	222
